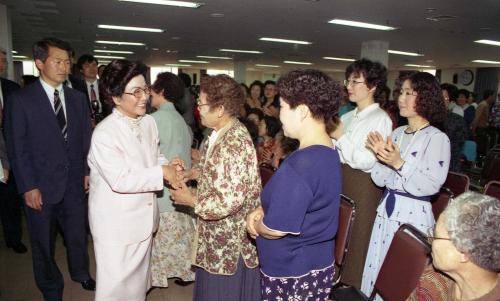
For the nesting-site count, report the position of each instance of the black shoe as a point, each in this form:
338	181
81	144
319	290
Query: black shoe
19	248
182	282
88	284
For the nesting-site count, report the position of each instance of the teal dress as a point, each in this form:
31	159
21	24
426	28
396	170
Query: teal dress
173	242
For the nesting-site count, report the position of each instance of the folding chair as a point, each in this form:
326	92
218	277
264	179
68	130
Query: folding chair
347	213
405	261
493	189
266	172
440	201
458	183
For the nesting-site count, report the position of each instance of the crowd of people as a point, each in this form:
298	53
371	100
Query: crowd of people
164	178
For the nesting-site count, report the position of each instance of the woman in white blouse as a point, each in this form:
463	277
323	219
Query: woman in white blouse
364	79
126	168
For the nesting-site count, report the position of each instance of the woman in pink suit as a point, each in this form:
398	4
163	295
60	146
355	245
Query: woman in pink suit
125	171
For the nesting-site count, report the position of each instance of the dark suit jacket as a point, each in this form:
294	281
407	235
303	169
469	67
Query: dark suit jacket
8	87
38	154
78	84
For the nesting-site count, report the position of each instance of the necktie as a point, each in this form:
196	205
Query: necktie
60	114
93	99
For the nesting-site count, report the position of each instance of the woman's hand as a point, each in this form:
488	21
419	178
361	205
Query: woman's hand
390	155
178	163
338	132
182	196
190	174
375	142
171	175
195	155
253	219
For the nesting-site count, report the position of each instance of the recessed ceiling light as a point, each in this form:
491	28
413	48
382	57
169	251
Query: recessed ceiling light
109	57
19	57
113	51
488	42
297	63
419	66
240	51
268	66
361	24
404	53
170	3
178	65
196	62
14	52
155	49
338	59
285	41
129	28
214	57
217	15
120	43
475	61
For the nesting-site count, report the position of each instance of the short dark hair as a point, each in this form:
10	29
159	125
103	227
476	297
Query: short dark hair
170	85
222	89
185	79
313	88
86	58
269	82
375	73
256	111
452	91
273	125
488	93
41	48
117	75
429	103
259	84
464	92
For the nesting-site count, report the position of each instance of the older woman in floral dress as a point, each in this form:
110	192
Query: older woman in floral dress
228	190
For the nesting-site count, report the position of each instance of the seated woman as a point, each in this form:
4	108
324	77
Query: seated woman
412	165
268	128
466	247
296	225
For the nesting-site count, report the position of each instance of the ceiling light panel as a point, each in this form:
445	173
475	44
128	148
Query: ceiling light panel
187	4
267	66
360	24
285	41
488	42
109	57
240	51
297	63
113	51
419	66
193	61
404	53
475	61
129	28
120	43
338	59
214	57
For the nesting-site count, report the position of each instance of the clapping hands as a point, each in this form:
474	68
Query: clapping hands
386	151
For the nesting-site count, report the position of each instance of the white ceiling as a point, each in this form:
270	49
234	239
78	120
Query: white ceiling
192	32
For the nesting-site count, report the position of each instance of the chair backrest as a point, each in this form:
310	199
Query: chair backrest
440	201
404	263
488	163
347	213
458	183
493	189
266	172
494	170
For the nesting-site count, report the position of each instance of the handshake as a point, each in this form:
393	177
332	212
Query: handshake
176	175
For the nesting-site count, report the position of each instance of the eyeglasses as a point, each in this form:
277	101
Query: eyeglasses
431	237
348	82
140	92
199	104
404	92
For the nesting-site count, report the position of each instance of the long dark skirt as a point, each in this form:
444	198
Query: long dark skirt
358	185
315	285
244	285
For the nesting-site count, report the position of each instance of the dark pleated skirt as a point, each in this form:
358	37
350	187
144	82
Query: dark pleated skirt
358	186
244	285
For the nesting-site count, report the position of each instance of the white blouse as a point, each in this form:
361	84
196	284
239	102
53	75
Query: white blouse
357	125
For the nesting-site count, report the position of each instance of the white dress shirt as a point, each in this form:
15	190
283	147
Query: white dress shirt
357	125
50	93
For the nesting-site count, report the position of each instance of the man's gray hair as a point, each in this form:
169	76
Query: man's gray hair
472	221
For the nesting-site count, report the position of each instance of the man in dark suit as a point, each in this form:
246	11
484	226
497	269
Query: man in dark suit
47	129
87	64
10	202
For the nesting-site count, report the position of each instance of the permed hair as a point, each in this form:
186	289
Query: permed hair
472	220
222	90
117	75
